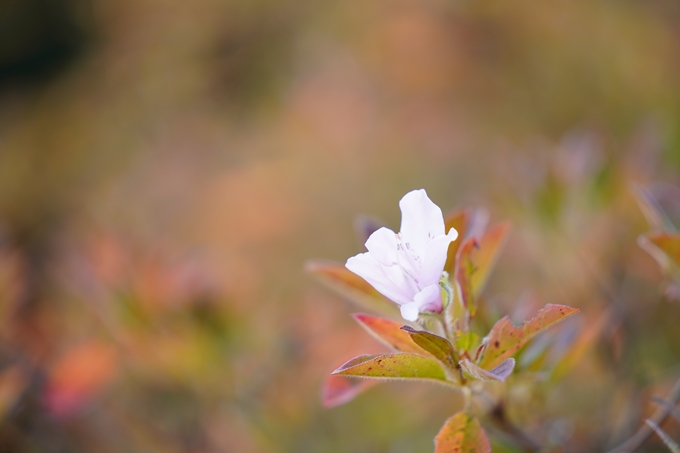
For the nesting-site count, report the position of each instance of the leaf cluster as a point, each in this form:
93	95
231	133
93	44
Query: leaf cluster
441	348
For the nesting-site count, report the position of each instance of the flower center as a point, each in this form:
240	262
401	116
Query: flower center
408	259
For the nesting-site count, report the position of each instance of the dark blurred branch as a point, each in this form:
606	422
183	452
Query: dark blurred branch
520	438
646	430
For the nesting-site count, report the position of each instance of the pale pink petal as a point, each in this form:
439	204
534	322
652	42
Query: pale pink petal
408	259
409	311
429	299
382	245
407	285
421	220
434	258
368	268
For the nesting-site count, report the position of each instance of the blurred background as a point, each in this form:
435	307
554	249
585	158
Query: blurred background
166	169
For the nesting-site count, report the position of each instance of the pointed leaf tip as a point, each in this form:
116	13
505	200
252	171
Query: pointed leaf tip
439	347
388	332
393	366
500	373
505	339
339	390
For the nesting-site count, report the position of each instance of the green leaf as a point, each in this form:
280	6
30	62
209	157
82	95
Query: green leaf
355	288
505	339
440	348
500	373
388	332
466	341
394	366
338	390
672	446
456	315
475	261
462	433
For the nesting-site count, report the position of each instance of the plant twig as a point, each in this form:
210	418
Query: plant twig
672	410
634	441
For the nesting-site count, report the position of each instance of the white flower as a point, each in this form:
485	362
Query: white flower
406	267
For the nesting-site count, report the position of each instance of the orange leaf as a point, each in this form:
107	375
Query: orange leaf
459	220
462	433
505	339
476	259
338	390
465	269
78	375
388	332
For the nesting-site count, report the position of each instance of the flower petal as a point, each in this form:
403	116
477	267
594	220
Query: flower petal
368	268
409	311
408	259
434	258
421	220
382	245
429	299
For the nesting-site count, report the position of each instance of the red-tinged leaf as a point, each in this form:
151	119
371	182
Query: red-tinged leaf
465	269
394	366
338	390
505	339
490	246
459	220
388	332
500	373
78	375
665	249
440	348
462	433
476	259
346	282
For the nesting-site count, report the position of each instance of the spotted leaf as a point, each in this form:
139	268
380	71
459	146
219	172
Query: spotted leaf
505	339
393	366
462	433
